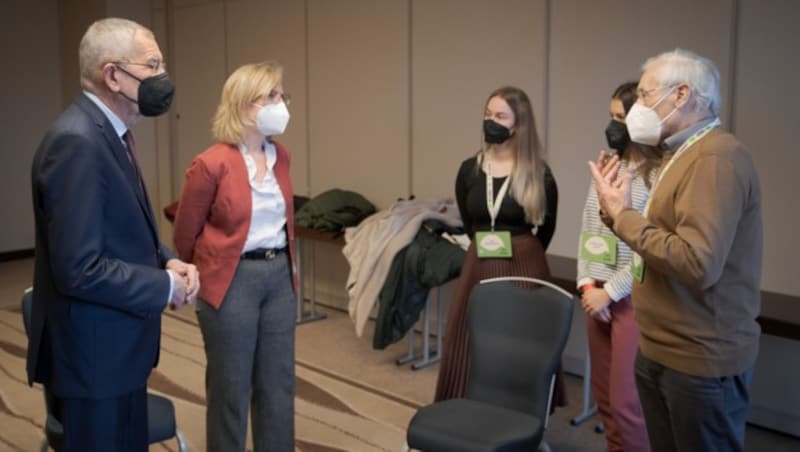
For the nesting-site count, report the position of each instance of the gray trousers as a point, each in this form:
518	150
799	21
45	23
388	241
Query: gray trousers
249	345
687	413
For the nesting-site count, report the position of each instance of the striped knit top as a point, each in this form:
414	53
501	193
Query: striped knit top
617	277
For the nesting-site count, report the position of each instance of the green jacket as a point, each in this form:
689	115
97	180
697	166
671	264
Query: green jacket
334	210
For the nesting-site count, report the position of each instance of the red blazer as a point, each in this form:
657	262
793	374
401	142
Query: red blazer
214	214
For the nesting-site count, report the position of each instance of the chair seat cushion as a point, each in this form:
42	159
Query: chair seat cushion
462	425
160	419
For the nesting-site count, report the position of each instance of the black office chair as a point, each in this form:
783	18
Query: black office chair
160	411
516	336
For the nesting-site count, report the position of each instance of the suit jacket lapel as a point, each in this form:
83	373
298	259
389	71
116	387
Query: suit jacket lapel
121	156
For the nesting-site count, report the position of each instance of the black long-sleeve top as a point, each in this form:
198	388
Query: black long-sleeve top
471	198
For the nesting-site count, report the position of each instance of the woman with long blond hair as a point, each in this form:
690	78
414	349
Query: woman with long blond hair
521	213
235	221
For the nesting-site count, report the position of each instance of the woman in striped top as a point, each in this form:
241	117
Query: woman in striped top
605	281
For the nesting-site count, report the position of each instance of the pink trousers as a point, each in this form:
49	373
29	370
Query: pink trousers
612	348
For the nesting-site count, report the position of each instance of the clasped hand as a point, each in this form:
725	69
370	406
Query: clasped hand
595	302
186	283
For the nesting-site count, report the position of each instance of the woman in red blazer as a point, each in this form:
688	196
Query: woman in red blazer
235	222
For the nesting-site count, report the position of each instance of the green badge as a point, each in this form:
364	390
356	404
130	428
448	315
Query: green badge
493	244
600	248
637	267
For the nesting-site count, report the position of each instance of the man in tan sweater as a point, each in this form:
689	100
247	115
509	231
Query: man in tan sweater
696	293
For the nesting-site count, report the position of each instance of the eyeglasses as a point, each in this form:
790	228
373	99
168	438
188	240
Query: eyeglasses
643	94
286	98
273	98
155	65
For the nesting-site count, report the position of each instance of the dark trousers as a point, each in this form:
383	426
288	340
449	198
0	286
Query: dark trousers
116	424
689	413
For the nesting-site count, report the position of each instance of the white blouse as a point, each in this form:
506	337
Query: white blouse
269	209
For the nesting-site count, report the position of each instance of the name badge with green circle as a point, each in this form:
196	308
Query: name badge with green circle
637	267
493	244
600	248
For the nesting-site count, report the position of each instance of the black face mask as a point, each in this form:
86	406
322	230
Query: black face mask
155	93
617	135
495	133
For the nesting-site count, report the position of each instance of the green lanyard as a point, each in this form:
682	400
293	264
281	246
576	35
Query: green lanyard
681	150
637	263
494	209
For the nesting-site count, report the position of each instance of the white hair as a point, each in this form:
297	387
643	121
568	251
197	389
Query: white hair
105	41
683	66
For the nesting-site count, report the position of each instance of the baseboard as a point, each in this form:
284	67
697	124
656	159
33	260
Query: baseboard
573	365
779	315
774	420
6	256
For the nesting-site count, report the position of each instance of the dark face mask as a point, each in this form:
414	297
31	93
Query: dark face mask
617	135
155	93
495	133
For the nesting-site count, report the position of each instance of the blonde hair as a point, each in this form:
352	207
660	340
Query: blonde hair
527	178
106	40
244	86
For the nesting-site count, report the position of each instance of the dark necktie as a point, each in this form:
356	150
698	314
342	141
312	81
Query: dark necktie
129	141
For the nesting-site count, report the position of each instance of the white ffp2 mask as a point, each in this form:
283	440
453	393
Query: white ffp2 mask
644	125
272	119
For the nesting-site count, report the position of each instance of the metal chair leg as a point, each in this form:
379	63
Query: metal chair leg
182	446
589	409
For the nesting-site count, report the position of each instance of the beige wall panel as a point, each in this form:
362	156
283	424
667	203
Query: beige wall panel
275	30
461	52
183	3
30	89
330	273
595	46
359	98
198	69
162	194
147	153
137	11
765	118
74	17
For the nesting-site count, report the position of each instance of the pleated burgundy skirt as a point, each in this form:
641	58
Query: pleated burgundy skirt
528	260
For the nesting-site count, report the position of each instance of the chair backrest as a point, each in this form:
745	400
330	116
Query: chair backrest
517	334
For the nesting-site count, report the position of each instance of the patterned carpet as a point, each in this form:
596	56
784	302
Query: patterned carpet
349	397
334	411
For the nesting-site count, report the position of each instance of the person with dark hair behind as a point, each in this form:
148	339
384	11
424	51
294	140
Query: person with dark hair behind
605	281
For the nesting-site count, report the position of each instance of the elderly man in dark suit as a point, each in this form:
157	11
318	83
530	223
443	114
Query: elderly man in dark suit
101	277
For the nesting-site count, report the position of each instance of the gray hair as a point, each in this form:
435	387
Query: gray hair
105	41
683	66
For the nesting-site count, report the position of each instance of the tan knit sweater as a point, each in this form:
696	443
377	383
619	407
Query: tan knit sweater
701	243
